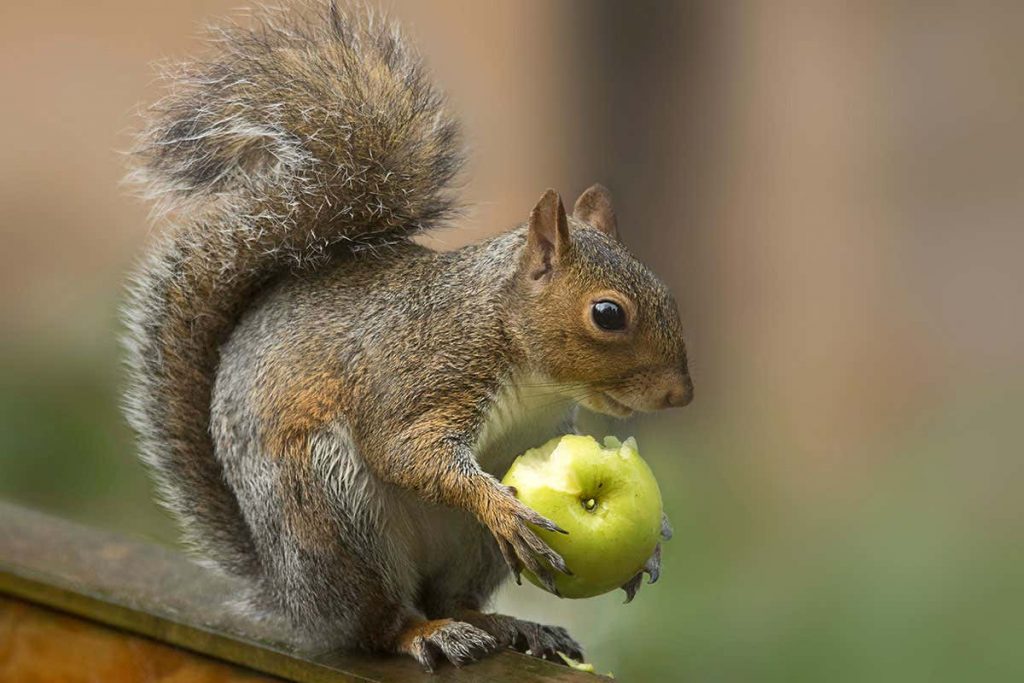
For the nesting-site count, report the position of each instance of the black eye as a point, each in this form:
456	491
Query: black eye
608	315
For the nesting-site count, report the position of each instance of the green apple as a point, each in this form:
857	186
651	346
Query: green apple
605	497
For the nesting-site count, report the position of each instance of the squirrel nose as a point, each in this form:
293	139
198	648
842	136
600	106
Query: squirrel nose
680	393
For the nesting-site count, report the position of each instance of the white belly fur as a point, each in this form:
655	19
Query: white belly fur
527	411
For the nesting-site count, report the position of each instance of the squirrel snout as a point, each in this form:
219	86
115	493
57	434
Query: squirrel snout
680	392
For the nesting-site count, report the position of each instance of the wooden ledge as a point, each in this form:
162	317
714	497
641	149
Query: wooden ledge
149	590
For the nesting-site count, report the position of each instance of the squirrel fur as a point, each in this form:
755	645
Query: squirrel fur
324	404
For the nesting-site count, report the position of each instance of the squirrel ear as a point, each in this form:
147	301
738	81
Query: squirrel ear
547	238
594	207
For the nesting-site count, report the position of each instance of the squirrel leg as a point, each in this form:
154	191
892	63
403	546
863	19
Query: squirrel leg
455	479
431	641
530	637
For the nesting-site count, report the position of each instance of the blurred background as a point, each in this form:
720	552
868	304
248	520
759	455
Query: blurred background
835	192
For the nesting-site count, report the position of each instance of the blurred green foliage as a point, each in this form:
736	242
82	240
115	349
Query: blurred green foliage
913	576
64	446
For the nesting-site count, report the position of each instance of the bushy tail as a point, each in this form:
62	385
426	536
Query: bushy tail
307	130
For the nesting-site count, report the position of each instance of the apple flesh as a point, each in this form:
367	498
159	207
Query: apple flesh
605	497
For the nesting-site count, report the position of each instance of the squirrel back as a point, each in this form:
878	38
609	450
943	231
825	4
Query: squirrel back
303	135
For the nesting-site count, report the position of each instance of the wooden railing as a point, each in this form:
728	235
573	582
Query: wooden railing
78	599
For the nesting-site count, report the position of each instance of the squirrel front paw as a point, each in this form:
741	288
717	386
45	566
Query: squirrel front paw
509	519
653	564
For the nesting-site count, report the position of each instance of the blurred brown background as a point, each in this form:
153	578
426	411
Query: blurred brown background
835	191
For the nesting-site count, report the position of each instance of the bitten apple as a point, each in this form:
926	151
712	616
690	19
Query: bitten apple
605	497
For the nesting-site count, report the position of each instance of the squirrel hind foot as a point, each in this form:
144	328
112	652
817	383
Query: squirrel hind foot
538	640
431	642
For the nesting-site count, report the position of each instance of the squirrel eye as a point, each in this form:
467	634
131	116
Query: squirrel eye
608	315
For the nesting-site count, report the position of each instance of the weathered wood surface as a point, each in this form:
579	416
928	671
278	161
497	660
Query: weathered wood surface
41	645
152	591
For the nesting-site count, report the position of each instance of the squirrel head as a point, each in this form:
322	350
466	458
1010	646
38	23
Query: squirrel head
596	319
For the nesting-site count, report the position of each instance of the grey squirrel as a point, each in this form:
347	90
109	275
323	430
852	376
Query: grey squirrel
324	404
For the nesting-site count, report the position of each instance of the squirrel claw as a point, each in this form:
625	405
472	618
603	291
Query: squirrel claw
653	564
528	637
653	568
666	528
549	584
631	587
545	578
508	553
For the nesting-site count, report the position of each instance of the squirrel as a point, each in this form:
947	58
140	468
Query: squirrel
325	404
